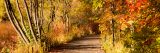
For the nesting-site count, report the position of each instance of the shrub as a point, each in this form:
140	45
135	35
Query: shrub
8	36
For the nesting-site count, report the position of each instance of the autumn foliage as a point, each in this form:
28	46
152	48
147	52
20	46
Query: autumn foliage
8	36
130	24
125	26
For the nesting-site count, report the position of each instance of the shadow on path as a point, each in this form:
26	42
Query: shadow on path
87	44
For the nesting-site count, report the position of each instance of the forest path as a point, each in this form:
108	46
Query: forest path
87	44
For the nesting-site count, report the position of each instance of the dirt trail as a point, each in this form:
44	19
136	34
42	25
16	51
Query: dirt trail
89	44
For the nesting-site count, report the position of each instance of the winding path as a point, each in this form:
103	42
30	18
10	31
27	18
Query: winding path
88	44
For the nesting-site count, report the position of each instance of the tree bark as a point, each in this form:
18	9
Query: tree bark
29	20
21	16
15	24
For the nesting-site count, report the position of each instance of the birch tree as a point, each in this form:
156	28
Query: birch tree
32	18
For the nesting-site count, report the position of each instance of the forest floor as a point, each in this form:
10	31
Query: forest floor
87	44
